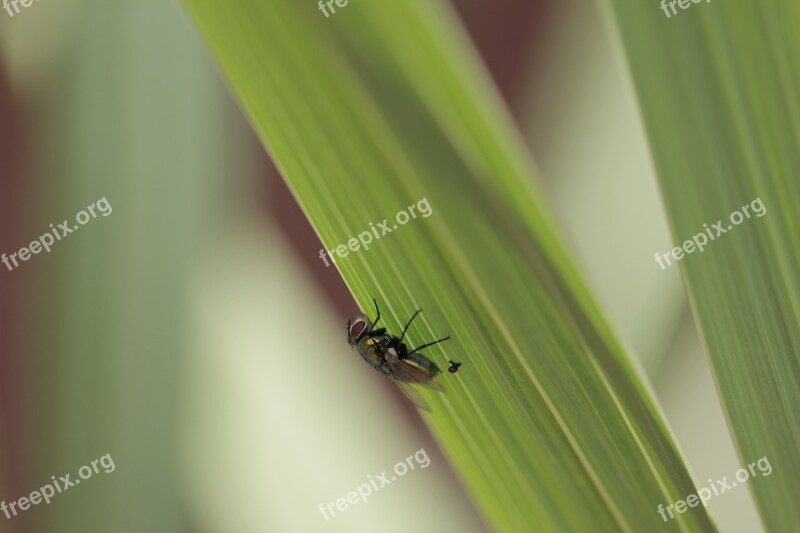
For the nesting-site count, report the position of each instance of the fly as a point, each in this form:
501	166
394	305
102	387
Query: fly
390	356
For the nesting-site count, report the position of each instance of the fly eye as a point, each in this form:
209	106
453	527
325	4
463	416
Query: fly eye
357	328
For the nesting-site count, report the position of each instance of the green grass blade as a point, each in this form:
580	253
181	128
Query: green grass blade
718	85
380	106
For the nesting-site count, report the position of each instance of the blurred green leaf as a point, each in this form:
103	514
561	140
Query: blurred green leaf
370	111
143	132
718	85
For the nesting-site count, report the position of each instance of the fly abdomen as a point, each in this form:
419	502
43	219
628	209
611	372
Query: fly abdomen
423	362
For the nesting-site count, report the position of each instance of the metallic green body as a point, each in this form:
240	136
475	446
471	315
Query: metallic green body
373	350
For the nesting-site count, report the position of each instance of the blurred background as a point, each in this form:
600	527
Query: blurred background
195	334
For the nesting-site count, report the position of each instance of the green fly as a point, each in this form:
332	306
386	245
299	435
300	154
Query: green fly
389	355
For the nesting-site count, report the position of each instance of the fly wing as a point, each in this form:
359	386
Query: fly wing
405	371
412	394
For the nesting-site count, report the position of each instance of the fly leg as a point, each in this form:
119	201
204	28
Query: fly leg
415	350
378	311
408	324
376	333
